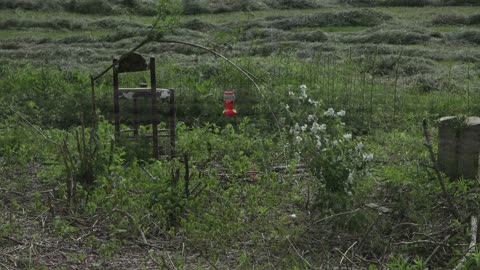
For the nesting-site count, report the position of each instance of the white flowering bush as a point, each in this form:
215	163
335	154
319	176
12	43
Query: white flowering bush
318	139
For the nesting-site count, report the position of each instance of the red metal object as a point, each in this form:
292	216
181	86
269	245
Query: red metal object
229	101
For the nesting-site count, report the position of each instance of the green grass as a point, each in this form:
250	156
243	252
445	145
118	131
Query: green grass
425	14
42	33
46	15
454	28
331	29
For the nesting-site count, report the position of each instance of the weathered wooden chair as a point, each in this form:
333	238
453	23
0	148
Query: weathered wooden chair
134	62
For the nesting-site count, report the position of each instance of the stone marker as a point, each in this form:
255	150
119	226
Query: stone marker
459	146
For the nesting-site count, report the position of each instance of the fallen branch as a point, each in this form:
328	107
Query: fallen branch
346	252
473	241
436	250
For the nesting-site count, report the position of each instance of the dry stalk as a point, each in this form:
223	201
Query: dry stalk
344	256
346	252
298	253
473	241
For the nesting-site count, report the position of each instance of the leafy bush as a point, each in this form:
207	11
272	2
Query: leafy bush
320	141
31	91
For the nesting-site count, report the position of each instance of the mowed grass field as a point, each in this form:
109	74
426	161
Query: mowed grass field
430	52
381	69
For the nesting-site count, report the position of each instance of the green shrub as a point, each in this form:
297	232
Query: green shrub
32	90
320	141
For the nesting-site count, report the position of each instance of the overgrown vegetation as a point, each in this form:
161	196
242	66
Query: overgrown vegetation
325	165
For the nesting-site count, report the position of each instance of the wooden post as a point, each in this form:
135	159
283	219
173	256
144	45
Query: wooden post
135	118
94	103
116	102
459	147
172	116
153	85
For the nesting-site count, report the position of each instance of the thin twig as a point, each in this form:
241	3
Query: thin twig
171	262
346	252
335	215
360	243
149	173
421	241
345	256
436	250
243	71
298	253
39	131
348	249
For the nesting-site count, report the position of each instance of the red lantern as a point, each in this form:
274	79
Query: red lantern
229	101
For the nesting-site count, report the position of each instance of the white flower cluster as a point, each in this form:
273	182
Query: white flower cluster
303	92
359	146
317	128
329	112
314	102
367	157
